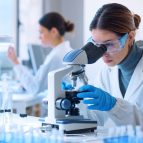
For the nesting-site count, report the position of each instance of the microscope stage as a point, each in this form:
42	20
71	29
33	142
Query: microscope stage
75	126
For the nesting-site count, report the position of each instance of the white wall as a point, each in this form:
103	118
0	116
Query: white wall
8	18
73	10
29	14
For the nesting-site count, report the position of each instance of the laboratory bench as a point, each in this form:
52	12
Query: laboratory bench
29	129
21	128
21	100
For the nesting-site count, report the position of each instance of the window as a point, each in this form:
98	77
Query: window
29	13
8	18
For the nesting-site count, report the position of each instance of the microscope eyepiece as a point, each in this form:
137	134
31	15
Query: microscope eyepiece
88	54
93	52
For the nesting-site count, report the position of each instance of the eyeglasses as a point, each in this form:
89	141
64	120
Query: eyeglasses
112	46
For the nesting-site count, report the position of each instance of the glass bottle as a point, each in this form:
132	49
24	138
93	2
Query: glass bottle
7	101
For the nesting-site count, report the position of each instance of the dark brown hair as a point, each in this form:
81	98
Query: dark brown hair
116	18
54	19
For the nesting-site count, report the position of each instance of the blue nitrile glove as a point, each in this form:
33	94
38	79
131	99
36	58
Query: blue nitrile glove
66	86
96	99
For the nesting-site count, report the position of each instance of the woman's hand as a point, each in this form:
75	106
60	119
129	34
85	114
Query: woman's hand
12	55
96	98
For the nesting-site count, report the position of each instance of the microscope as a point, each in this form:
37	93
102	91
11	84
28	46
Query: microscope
63	112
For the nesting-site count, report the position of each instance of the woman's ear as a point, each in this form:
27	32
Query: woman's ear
131	37
54	31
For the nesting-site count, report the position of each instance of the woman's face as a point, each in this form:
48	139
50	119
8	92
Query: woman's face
110	58
45	36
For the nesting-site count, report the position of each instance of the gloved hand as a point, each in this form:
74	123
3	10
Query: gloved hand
66	86
96	99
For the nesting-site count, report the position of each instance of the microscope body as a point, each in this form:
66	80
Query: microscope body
62	111
55	92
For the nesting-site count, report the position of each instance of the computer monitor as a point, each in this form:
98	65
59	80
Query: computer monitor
5	63
37	55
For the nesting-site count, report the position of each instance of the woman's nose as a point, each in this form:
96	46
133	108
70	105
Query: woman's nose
106	54
40	37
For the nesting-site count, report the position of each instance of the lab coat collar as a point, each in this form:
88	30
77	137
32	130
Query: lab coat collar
61	45
136	80
114	77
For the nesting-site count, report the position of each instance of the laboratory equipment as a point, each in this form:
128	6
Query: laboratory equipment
28	130
63	112
37	55
124	134
1	118
6	103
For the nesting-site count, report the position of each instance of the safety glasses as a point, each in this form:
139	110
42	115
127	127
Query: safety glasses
112	46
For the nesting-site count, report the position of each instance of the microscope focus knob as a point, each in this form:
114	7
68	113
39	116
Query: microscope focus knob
63	104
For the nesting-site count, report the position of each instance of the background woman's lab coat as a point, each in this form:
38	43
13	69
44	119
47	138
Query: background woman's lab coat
128	110
39	82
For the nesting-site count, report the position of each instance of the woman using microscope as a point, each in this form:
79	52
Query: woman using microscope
52	28
118	91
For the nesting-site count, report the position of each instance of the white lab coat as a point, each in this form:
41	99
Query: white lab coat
128	110
53	61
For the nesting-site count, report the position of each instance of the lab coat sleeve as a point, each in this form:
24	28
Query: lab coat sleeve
37	83
125	113
26	78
